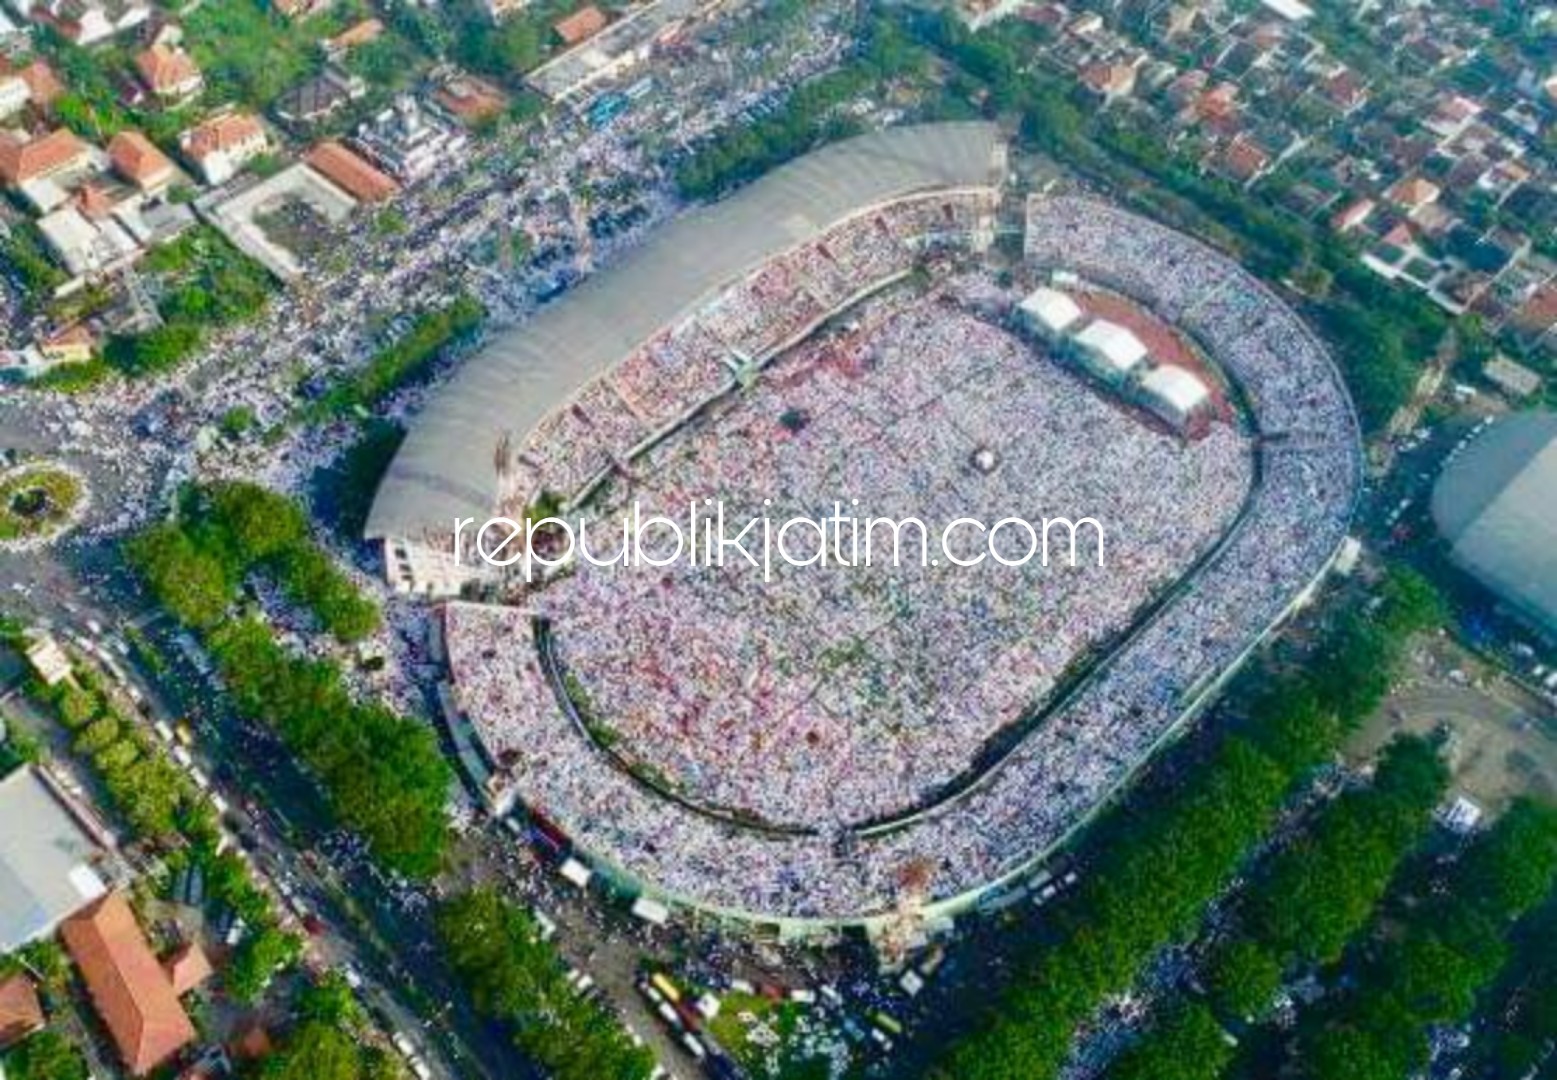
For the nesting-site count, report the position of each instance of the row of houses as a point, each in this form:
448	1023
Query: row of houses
1431	161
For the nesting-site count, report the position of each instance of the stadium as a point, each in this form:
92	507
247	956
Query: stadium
879	749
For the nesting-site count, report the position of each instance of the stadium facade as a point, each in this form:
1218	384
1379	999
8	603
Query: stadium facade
991	835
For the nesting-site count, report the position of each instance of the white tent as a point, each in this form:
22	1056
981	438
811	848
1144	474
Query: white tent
1111	350
651	911
576	872
1174	393
1049	312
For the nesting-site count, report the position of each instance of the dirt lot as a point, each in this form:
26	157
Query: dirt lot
1503	740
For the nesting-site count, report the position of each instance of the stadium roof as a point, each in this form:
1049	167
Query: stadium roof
445	469
1496	505
46	861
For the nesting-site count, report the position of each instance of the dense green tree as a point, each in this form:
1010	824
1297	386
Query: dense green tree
1188	1045
1243	978
259	522
315	1051
195	587
514	977
47	1055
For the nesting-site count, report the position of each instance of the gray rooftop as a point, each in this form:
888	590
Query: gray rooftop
48	863
1496	505
445	469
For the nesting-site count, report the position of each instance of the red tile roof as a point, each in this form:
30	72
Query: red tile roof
165	70
137	160
221	133
42	83
580	26
20	1013
1413	192
358	34
130	990
350	173
23	161
187	968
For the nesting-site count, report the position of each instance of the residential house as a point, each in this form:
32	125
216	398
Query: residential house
87	245
580	26
319	98
499	10
73	344
1353	216
86	22
1242	160
1413	194
358	34
24	161
221	146
1109	82
131	992
135	158
169	74
350	173
299	9
14	94
43	86
470	100
20	1013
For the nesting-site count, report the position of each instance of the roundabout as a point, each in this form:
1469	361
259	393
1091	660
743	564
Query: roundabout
39	501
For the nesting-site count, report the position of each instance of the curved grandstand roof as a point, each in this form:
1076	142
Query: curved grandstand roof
445	469
1497	508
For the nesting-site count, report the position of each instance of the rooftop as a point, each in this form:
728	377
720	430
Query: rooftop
130	990
1496	506
445	467
47	860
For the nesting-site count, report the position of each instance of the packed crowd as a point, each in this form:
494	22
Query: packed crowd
683	368
1089	745
843	694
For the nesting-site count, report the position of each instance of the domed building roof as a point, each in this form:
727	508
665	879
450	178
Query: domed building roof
1496	506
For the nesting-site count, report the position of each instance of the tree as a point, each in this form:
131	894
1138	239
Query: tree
264	951
513	976
47	1055
260	523
315	1051
195	587
1187	1045
1243	979
330	1001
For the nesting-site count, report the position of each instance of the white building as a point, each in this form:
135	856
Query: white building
84	246
1049	313
1111	351
409	142
222	145
1175	394
14	93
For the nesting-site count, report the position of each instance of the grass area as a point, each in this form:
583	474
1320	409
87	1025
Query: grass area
36	500
765	1038
207	284
252	54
